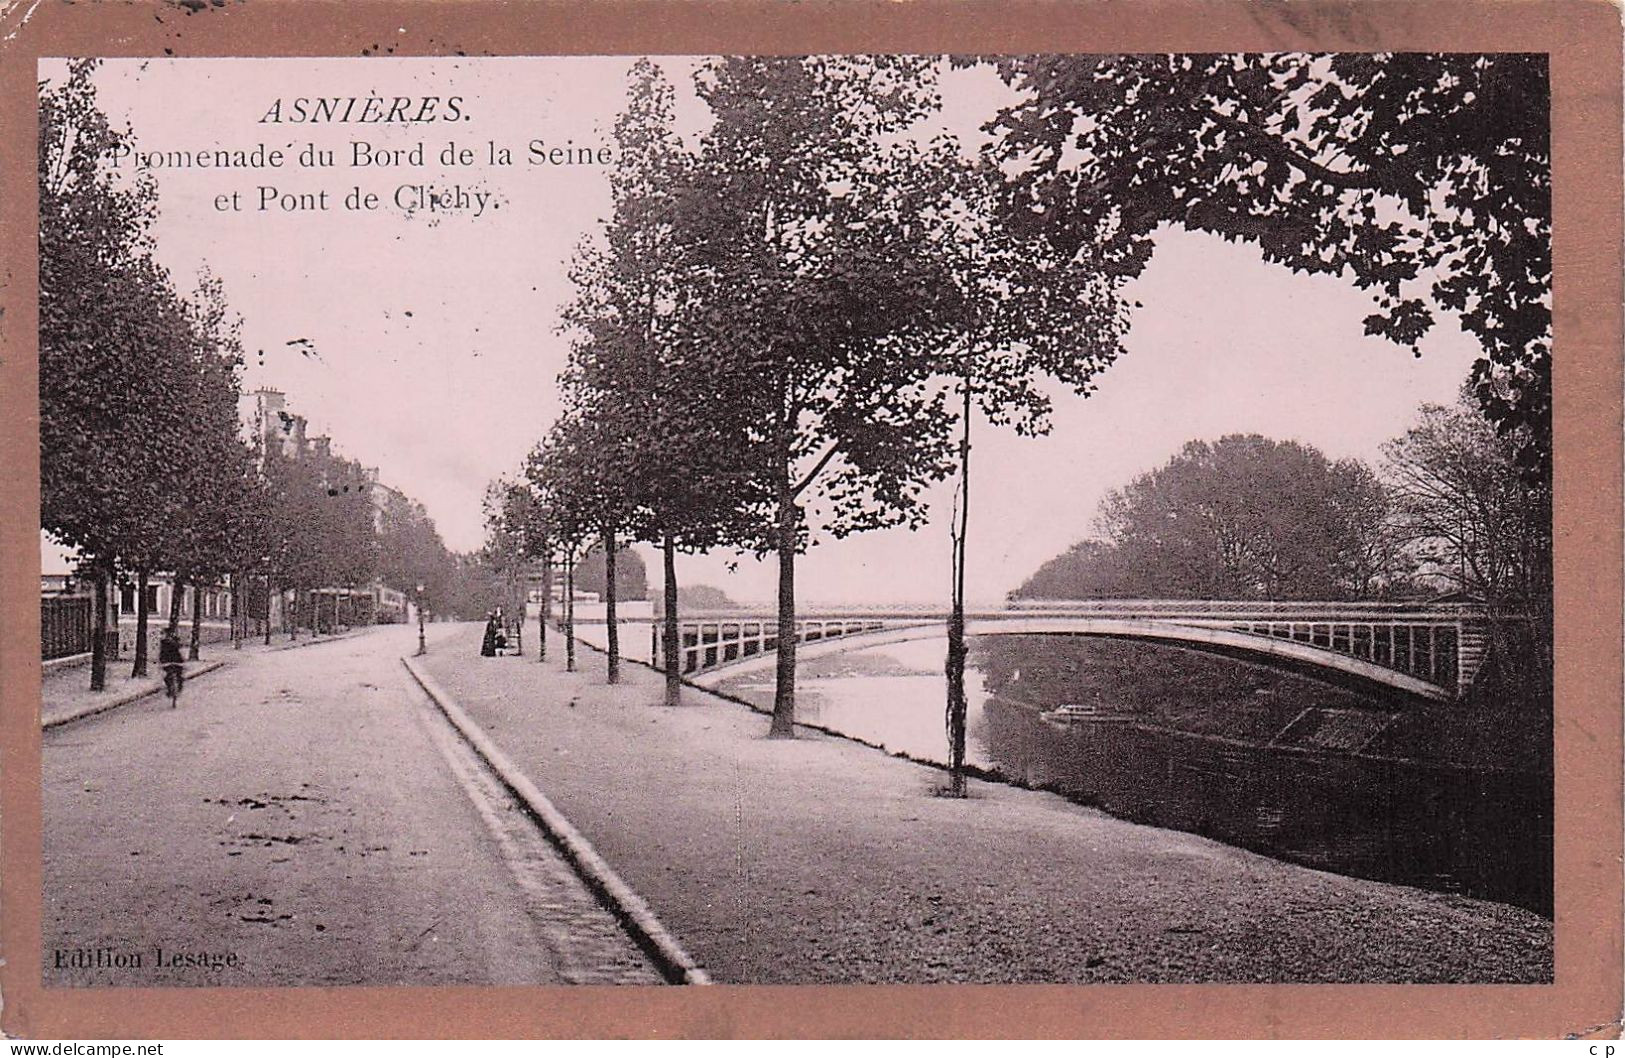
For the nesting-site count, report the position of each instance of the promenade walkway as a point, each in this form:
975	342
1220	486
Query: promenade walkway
820	860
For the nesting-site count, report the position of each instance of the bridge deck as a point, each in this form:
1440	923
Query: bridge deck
1426	650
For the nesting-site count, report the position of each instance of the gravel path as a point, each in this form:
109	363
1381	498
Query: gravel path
822	861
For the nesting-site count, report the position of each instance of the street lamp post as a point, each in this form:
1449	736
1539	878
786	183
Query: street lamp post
423	647
265	563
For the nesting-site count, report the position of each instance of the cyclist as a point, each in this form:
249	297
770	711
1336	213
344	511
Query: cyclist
169	656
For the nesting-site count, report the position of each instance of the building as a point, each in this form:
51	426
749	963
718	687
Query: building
66	598
66	604
287	433
274	427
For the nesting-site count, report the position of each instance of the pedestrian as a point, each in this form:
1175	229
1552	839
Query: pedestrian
488	645
169	656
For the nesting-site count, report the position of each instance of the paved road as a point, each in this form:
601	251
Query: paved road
305	815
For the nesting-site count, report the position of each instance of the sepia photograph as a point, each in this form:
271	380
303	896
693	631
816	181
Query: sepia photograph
810	519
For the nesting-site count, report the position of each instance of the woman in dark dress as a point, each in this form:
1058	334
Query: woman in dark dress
488	645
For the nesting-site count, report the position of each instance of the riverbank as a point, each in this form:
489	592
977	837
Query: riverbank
820	860
1256	758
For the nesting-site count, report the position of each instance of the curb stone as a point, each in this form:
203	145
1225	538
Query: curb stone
668	954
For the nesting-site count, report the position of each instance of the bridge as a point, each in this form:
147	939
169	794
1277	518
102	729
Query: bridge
1414	650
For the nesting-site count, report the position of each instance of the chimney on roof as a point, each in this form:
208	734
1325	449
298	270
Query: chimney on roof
271	404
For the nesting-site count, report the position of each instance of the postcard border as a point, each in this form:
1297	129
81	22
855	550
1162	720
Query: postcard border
1583	40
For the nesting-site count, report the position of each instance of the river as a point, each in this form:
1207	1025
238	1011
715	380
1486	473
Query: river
1277	763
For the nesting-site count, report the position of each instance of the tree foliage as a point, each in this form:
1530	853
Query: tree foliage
1423	178
141	461
824	303
411	553
1243	517
635	366
209	532
631	576
772	335
1474	523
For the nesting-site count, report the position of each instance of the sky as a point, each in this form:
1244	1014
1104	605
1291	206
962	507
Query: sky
435	331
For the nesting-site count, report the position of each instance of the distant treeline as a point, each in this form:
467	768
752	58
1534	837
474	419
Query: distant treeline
1247	517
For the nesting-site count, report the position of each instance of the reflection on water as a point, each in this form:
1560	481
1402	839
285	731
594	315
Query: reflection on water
1243	754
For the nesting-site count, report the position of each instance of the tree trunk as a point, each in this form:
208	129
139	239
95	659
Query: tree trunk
784	689
612	631
956	618
239	628
139	669
569	614
197	625
956	700
98	626
670	656
544	609
177	593
268	610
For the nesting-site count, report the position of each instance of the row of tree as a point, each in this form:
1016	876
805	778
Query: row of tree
1243	517
787	327
1247	517
143	462
784	330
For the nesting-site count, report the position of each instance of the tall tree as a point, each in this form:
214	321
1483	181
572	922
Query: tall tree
411	552
1424	178
1022	311
635	360
207	533
298	508
140	455
822	301
511	541
568	473
147	427
585	479
95	321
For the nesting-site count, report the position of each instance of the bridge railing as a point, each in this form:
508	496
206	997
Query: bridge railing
1117	607
1429	650
1441	643
705	644
1324	610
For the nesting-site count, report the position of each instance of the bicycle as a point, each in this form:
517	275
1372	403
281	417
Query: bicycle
174	681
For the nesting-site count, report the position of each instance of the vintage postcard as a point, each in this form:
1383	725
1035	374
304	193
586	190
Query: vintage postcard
1003	519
